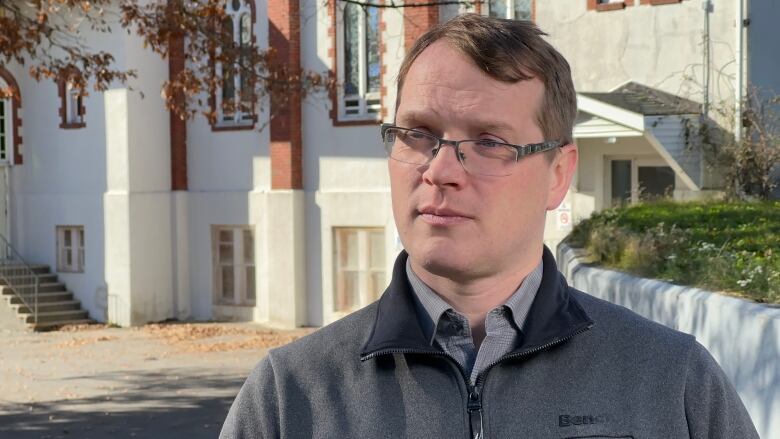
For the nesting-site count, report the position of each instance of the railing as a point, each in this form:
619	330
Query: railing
19	277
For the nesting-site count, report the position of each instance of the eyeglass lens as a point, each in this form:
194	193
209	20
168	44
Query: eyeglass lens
482	157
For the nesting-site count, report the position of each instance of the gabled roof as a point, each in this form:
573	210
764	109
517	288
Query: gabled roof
646	101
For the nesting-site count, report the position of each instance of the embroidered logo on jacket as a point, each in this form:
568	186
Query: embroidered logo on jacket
569	420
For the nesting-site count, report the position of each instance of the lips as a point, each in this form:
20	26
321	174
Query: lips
442	216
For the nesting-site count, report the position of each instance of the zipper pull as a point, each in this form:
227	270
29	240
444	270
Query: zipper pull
475	413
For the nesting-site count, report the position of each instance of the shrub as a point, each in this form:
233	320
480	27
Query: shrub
728	246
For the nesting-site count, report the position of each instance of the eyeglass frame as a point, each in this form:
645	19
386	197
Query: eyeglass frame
521	150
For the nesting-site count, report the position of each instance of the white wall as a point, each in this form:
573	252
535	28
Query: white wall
62	179
658	46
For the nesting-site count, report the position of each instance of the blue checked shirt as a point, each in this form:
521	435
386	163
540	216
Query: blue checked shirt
451	331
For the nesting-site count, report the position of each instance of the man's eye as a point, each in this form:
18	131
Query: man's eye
488	143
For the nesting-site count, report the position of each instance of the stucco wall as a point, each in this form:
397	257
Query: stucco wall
62	180
659	46
345	169
744	337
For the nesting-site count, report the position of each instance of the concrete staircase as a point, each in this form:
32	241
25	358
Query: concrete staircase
56	305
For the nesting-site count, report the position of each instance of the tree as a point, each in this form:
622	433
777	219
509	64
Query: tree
47	35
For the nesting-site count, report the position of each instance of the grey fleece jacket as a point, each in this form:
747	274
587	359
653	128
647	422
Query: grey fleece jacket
585	368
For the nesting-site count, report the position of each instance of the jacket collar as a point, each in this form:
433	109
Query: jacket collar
555	315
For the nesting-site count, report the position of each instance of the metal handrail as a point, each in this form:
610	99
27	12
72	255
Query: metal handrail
19	272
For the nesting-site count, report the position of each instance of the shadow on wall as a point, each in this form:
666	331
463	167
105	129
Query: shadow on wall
177	404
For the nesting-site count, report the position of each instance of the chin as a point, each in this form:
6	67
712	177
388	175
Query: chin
441	259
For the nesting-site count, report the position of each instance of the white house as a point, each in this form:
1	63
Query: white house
145	217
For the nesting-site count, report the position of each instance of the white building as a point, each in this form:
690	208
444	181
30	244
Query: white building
145	217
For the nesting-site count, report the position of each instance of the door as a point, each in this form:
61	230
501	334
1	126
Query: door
635	179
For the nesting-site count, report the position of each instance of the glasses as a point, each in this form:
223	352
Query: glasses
480	157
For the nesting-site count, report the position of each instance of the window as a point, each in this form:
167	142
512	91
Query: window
10	119
70	249
234	265
607	5
358	62
235	97
449	10
5	126
73	105
635	180
515	9
72	109
360	267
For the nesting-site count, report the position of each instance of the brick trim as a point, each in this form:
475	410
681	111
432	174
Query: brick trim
62	91
212	101
333	57
178	126
284	28
16	120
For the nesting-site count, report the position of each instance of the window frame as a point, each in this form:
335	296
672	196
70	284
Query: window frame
240	120
240	264
636	163
76	249
365	270
510	8
369	104
8	127
72	108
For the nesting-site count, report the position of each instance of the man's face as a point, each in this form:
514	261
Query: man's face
464	226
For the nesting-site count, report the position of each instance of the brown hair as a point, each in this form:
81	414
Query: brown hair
509	51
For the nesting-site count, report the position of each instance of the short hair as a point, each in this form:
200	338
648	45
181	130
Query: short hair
509	51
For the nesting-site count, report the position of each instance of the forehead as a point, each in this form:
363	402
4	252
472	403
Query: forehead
443	86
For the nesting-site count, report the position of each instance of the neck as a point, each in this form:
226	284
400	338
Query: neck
475	297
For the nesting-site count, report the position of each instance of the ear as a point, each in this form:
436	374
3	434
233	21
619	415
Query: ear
562	171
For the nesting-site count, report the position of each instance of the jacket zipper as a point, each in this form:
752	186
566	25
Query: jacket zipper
475	394
474	402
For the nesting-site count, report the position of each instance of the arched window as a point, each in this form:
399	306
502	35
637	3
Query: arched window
6	123
10	123
235	99
359	62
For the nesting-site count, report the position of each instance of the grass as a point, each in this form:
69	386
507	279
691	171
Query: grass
732	247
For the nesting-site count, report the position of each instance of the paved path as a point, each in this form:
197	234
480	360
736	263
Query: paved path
159	381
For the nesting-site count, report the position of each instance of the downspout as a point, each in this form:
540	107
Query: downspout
706	59
738	95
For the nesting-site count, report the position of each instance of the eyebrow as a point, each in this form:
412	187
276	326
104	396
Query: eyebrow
416	116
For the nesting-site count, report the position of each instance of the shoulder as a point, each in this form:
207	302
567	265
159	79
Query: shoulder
624	328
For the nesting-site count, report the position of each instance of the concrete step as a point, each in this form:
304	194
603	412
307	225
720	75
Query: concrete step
48	326
26	280
48	287
57	296
20	268
55	316
43	307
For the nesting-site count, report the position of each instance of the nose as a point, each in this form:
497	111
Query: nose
444	169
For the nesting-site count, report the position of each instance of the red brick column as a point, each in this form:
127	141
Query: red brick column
417	20
286	143
178	126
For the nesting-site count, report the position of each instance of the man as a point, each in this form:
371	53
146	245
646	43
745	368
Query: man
478	334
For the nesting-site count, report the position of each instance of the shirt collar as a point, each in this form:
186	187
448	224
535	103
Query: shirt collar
430	306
